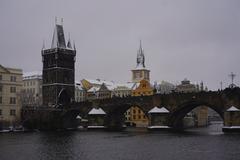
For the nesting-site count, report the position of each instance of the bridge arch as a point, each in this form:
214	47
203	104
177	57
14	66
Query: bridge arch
115	117
176	116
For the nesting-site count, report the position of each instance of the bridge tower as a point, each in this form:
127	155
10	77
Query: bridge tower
58	69
140	72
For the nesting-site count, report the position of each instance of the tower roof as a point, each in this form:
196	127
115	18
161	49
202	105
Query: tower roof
58	40
140	57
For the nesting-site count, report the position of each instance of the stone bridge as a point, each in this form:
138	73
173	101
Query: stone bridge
178	105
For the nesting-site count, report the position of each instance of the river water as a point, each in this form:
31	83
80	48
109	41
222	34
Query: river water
132	144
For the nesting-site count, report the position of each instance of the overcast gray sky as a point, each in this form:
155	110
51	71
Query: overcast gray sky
196	39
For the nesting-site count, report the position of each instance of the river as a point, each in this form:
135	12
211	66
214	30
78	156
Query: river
131	144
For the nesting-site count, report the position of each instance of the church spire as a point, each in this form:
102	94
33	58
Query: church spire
58	40
69	45
140	57
43	46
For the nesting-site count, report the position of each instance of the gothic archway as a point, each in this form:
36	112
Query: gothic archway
63	97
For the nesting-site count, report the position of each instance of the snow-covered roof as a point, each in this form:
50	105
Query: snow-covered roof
94	89
158	110
78	85
119	86
232	109
135	85
140	67
96	111
78	117
32	75
100	82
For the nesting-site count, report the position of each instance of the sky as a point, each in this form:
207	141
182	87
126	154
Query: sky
194	39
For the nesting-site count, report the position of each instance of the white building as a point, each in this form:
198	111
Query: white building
186	87
121	90
80	92
32	88
165	87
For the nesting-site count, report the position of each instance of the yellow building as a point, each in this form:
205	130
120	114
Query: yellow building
135	115
142	87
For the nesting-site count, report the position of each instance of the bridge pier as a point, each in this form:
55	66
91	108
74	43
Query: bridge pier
231	120
115	122
96	119
158	118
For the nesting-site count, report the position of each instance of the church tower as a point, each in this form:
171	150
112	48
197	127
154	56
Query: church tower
140	72
58	70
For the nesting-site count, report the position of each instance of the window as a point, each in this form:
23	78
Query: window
139	116
0	112
0	77
13	89
0	100
134	117
12	112
12	100
13	79
1	88
134	111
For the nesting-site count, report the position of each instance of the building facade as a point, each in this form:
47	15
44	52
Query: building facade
32	89
80	92
121	90
143	89
97	89
164	87
101	92
10	101
186	87
58	70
